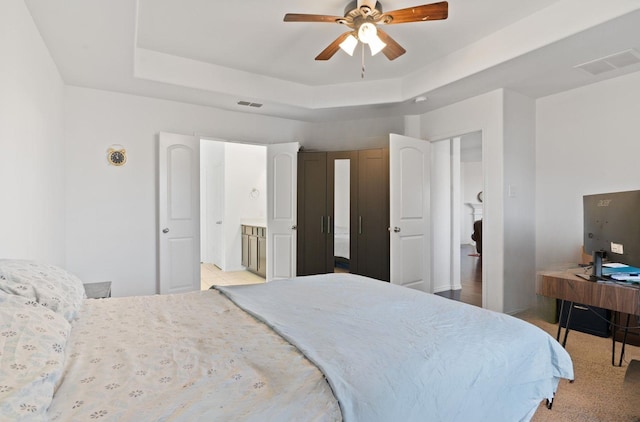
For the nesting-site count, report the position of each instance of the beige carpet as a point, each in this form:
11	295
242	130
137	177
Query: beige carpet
599	392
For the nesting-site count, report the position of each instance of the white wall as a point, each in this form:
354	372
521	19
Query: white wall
482	113
519	202
506	120
31	142
352	134
245	170
588	141
111	211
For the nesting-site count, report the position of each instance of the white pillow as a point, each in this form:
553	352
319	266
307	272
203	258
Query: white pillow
32	344
48	285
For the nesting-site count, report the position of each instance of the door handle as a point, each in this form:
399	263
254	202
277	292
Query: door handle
218	222
360	225
165	230
294	227
396	229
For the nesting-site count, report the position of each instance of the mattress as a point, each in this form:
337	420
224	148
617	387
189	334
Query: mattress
393	353
186	357
318	348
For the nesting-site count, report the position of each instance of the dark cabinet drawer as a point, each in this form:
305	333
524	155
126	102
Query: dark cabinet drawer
254	249
590	320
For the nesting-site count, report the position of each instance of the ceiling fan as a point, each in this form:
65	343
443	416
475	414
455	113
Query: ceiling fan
363	18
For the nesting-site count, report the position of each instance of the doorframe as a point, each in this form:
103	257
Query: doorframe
204	208
202	138
272	230
455	234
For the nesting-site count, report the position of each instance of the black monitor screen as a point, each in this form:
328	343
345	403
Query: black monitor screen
612	225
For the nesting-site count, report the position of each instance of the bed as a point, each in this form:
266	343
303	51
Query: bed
316	348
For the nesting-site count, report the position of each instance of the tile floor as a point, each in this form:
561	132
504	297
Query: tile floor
210	275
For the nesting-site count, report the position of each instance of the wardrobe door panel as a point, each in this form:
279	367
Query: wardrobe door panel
312	221
373	214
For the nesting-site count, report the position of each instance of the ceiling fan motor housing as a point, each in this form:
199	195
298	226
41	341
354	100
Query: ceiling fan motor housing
353	7
354	17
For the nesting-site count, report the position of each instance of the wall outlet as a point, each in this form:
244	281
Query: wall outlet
617	248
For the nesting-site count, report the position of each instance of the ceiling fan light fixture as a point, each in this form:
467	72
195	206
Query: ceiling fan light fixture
349	45
376	45
367	32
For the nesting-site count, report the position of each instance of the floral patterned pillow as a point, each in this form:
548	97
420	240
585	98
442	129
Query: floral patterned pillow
32	343
48	285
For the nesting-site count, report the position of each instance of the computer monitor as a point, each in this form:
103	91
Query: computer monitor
612	227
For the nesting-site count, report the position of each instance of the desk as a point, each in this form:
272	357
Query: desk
566	286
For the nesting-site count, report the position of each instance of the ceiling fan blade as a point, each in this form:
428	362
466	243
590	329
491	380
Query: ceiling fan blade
300	17
393	50
431	12
328	52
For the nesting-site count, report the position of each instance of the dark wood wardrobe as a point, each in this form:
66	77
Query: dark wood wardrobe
368	212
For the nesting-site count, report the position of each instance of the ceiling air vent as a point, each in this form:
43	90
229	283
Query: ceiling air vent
612	62
249	104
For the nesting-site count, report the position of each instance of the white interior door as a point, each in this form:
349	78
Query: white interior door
206	251
179	213
409	179
218	212
282	180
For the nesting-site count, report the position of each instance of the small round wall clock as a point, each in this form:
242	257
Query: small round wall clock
117	157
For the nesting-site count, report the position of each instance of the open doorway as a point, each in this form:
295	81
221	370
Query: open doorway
233	184
456	190
179	222
471	187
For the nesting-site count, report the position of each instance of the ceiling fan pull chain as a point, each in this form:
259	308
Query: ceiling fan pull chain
362	74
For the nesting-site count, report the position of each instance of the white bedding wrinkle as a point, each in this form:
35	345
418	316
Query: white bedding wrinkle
32	344
391	353
185	357
388	354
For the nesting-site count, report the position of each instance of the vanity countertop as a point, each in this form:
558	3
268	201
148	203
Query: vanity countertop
256	222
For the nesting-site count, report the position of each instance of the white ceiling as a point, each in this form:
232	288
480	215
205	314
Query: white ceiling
216	53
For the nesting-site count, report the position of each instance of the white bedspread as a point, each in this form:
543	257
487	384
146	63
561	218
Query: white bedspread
392	354
186	357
